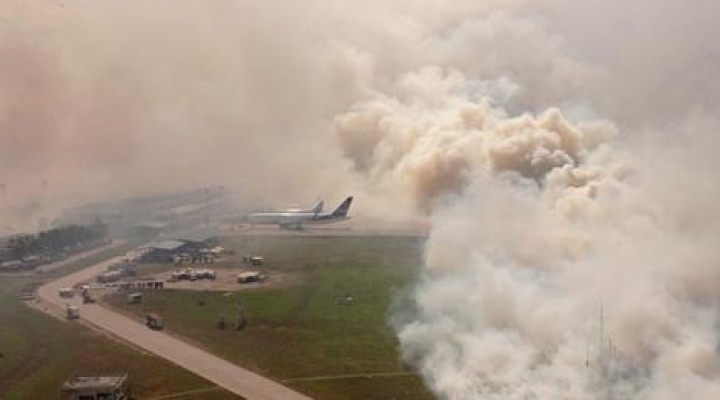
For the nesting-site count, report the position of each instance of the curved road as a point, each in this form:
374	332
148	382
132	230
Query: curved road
230	376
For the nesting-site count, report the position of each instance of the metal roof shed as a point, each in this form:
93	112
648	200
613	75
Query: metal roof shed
167	245
105	386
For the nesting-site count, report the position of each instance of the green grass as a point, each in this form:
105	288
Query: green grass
40	352
308	329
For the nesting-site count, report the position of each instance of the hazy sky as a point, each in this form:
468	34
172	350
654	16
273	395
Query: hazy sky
118	97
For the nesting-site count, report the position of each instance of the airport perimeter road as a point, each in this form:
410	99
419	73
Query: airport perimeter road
343	228
223	373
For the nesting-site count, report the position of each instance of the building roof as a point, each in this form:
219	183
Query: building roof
166	245
196	235
78	382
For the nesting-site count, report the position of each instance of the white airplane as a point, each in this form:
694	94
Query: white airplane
295	220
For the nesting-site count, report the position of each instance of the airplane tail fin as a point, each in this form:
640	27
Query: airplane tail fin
343	209
318	207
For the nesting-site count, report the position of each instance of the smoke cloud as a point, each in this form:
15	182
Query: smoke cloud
601	281
570	256
115	100
565	152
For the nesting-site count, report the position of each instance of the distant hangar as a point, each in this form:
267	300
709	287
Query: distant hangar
193	244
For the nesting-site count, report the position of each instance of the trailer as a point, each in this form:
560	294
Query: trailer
255	261
191	274
134	298
154	321
250	276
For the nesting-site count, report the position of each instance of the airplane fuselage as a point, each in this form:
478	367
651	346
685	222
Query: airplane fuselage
296	219
289	218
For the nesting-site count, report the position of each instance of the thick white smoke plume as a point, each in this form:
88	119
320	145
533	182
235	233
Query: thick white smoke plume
568	258
441	131
563	262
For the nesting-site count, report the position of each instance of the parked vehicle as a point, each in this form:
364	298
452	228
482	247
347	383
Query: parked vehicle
154	321
72	312
250	276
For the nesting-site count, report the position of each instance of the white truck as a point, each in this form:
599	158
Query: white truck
73	312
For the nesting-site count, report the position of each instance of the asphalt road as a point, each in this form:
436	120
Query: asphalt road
223	373
351	227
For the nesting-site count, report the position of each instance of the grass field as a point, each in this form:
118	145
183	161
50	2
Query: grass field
309	335
39	352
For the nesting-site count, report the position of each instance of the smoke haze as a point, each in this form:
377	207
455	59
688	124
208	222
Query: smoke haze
565	152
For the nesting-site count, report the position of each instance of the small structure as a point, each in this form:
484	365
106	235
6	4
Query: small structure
190	246
154	321
96	387
66	293
249	276
191	274
134	298
255	261
163	251
148	284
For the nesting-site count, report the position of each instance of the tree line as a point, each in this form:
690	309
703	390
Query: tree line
64	239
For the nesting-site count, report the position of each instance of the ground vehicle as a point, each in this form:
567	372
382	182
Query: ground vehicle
134	298
154	321
87	298
250	276
72	312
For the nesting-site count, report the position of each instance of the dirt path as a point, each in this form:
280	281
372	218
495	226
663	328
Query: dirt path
223	373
